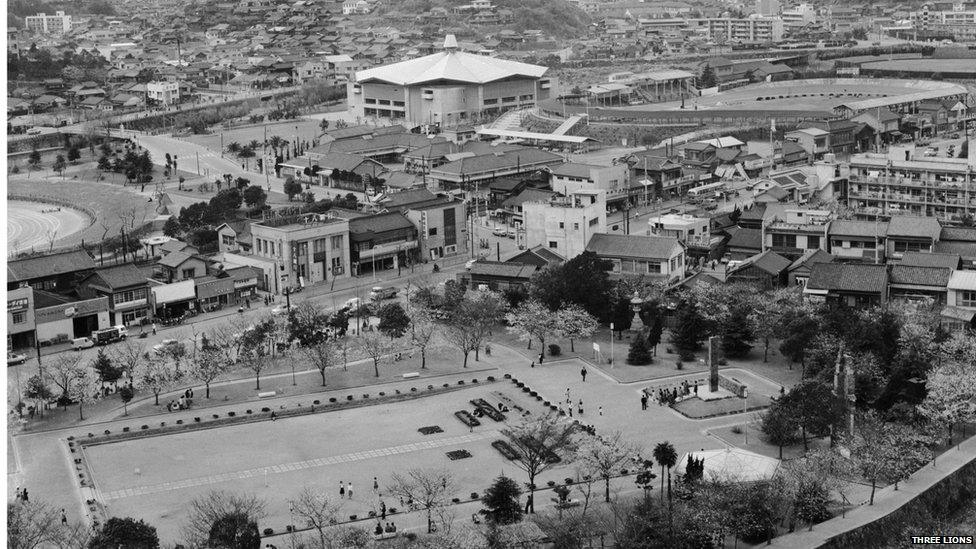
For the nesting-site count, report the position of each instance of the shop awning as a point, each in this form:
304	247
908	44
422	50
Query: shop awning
214	287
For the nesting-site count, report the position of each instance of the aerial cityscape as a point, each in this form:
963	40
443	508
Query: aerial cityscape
538	274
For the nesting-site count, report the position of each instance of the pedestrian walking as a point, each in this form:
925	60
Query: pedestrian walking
644	401
376	485
583	373
273	416
696	388
154	328
19	493
570	409
601	410
383	509
567	394
532	365
24	496
541	356
487	350
349	490
342	490
581	407
64	517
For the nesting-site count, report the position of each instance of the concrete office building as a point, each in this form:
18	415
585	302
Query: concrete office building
447	88
564	224
306	249
42	23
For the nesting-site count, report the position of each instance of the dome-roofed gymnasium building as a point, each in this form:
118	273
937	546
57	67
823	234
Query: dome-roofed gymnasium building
447	88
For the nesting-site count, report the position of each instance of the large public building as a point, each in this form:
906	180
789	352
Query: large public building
447	88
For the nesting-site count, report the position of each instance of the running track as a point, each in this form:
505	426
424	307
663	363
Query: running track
27	227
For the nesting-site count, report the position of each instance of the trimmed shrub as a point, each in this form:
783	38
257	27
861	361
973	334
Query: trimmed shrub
555	350
90	435
382	394
162	424
491	378
569	481
125	429
247	411
391	511
551	483
460	382
475	380
289	528
533	393
333	400
196	419
623	472
365	395
179	422
144	427
431	387
315	402
446	385
507	376
265	409
474	495
107	432
231	414
397	391
348	397
353	517
268	531
372	514
455	500
216	416
71	438
413	389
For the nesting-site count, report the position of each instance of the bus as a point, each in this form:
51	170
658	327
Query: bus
710	190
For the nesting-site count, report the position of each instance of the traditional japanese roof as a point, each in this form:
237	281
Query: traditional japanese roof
866	229
768	261
916	226
921	259
962	280
502	268
811	258
121	276
450	65
49	265
365	228
848	277
920	276
637	246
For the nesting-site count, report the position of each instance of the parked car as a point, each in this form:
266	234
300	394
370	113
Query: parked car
16	358
165	346
351	303
510	233
280	310
80	343
931	151
381	292
499	231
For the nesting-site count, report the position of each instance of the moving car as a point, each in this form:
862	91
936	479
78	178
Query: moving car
280	310
510	233
16	358
351	303
109	335
499	231
165	345
931	151
80	343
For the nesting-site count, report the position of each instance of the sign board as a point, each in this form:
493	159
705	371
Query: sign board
15	305
69	312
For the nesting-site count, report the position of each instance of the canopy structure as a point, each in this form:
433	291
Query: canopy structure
732	464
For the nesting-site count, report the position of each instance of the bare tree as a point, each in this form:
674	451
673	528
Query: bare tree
64	371
36	524
210	364
257	362
324	355
606	456
85	388
427	488
155	374
374	345
205	510
317	510
422	329
128	355
541	442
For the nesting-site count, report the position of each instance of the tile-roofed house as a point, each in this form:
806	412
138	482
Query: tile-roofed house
914	282
960	310
177	266
856	239
234	236
766	270
126	287
497	275
55	272
376	240
799	271
403	198
912	234
176	246
919	259
961	241
655	256
744	242
492	165
853	284
539	256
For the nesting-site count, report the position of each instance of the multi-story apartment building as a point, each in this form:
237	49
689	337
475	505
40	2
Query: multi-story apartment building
564	224
752	29
692	231
306	249
798	16
796	231
42	23
890	184
163	93
570	177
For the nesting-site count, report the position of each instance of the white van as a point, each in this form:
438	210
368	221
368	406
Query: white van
123	330
80	343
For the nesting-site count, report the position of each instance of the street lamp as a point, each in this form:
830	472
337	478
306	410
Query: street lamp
611	344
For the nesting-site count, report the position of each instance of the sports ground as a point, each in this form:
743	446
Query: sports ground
34	224
154	478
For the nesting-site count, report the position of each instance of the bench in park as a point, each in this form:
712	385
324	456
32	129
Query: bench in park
385	535
267	394
410	375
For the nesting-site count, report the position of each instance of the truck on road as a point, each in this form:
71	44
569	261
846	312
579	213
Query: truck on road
109	335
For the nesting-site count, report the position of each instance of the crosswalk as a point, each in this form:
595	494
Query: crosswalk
298	465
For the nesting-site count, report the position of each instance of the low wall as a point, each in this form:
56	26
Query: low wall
936	490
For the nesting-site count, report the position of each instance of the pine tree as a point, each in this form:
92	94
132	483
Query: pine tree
737	336
640	352
689	329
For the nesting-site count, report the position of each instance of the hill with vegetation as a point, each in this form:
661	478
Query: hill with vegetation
554	17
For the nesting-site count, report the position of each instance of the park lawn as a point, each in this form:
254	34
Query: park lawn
307	130
697	408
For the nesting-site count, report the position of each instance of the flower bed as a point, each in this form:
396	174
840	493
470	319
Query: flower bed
458	454
488	409
466	418
505	449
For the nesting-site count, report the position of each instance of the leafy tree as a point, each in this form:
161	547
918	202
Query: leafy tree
639	353
125	395
254	196
429	488
305	323
737	333
84	389
38	391
63	372
707	78
394	321
575	323
582	280
34	159
205	511
194	215
471	321
234	531
225	203
234	147
666	456
73	154
799	330
887	452
541	442
814	407
779	424
292	188
172	227
107	371
621	316
810	501
689	329
652	316
37	525
104	164
125	532
533	320
59	164
501	501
